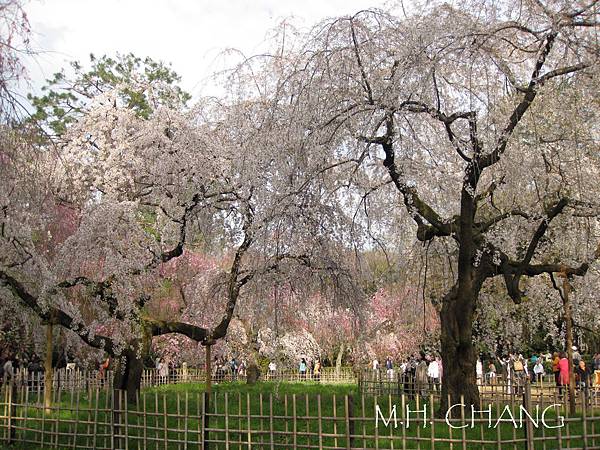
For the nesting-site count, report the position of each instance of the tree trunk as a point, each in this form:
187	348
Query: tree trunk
128	374
459	384
252	374
338	361
129	367
208	370
48	369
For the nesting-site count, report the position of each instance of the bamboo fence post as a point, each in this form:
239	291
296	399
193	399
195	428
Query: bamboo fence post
528	425
88	419
11	411
57	419
481	435
271	434
248	422
95	427
185	426
306	405
346	416
200	415
584	412
404	424
462	422
205	420
375	403
165	423
512	407
335	431
285	404
226	411
260	413
202	423
43	426
320	422
498	433
125	416
25	409
559	430
178	418
418	397
111	414
593	419
295	423
362	413
76	431
432	420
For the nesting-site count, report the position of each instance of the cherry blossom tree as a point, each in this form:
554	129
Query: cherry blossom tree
146	189
474	121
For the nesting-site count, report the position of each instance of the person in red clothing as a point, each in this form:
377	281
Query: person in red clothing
563	368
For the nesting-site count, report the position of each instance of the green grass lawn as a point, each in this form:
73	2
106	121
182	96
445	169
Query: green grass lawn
253	417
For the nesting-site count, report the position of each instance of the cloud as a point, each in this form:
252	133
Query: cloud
188	34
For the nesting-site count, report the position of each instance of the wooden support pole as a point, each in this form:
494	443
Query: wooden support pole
569	332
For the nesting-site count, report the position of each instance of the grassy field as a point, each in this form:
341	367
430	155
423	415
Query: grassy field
289	415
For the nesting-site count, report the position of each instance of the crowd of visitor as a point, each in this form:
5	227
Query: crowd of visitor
424	372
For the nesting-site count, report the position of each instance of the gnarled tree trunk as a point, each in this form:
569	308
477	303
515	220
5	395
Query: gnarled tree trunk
128	374
459	381
129	366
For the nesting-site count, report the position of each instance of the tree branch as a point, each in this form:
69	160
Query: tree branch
54	315
529	95
418	209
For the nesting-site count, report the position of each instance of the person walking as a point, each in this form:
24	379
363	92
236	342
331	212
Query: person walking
302	369
556	368
421	377
538	370
433	373
8	371
389	367
519	368
103	369
582	374
272	370
491	373
242	369
163	372
375	369
563	372
479	371
596	369
507	372
317	371
576	356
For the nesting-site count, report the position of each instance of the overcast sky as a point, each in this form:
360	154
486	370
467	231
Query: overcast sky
189	34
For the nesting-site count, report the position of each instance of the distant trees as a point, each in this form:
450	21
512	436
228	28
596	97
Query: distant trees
143	86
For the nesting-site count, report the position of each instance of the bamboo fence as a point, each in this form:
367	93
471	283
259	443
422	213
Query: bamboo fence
196	420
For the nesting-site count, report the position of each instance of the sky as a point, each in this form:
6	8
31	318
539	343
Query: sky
191	35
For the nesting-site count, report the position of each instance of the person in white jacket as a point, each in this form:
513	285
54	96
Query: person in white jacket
433	373
479	371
